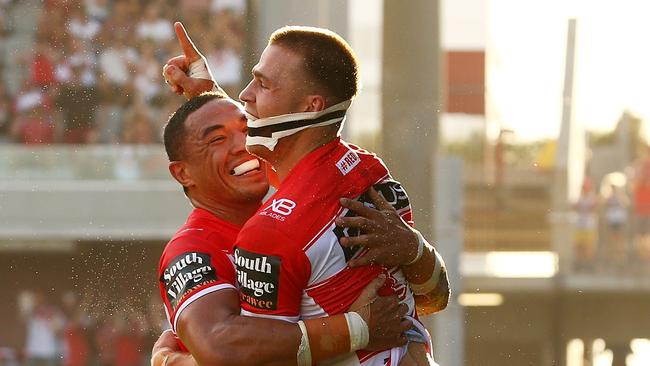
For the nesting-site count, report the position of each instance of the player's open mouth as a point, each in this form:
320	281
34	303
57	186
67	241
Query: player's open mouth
246	167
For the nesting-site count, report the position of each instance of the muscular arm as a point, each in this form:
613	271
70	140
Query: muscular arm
216	334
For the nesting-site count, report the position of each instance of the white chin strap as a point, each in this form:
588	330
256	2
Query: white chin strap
267	131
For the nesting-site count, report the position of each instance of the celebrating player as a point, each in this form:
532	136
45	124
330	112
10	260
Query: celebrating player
292	261
204	140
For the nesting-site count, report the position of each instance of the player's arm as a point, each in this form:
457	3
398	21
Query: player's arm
188	74
392	242
215	334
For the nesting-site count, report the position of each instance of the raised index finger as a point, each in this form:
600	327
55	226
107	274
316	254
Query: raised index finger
189	49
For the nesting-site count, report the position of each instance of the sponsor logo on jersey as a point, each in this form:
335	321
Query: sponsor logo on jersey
186	272
348	162
279	209
258	277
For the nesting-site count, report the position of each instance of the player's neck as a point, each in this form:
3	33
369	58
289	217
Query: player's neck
290	150
236	214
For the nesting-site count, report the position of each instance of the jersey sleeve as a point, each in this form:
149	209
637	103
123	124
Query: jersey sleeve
396	195
272	273
190	269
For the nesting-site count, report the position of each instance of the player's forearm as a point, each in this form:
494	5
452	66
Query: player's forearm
428	279
240	340
436	299
245	340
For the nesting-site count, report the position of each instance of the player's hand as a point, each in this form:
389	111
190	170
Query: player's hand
177	68
383	314
166	344
390	241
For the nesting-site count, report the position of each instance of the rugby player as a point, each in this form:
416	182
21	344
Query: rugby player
295	104
204	140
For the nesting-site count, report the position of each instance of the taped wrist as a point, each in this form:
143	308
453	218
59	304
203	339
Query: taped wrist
432	282
359	334
199	70
421	242
324	338
303	356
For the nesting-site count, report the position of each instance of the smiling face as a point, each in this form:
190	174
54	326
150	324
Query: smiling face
216	169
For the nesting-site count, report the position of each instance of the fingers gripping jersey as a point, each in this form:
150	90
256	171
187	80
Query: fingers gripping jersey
196	262
289	262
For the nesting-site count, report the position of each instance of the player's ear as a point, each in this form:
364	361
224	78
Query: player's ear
315	103
179	171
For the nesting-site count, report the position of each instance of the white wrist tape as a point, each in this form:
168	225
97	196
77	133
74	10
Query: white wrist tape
432	282
421	242
303	356
359	334
199	70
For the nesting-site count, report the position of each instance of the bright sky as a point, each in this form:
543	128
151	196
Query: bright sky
526	44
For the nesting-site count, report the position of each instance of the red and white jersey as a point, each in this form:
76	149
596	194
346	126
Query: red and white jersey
196	262
289	262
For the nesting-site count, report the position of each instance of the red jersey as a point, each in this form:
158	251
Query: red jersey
289	262
196	262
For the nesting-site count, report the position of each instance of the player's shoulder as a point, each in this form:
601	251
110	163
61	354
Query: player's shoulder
196	242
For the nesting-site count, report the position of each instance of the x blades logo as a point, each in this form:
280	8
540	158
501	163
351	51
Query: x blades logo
280	208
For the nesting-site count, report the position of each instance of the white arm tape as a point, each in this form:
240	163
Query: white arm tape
199	70
359	334
303	356
432	282
421	242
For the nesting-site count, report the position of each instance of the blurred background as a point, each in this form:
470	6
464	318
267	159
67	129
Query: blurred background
518	129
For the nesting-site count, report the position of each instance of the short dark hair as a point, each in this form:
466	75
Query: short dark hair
174	132
328	59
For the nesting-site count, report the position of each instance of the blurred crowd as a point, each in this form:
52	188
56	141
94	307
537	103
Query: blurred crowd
76	331
612	226
93	71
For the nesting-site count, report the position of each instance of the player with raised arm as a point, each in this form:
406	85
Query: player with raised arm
290	263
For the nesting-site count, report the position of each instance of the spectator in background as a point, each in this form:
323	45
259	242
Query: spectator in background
236	7
120	21
225	64
110	112
76	349
153	27
34	122
51	26
642	206
97	9
6	113
615	205
41	64
104	340
117	62
96	58
130	334
137	127
586	208
44	323
82	27
77	97
148	81
189	8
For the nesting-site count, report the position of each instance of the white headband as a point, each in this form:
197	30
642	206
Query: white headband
267	131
